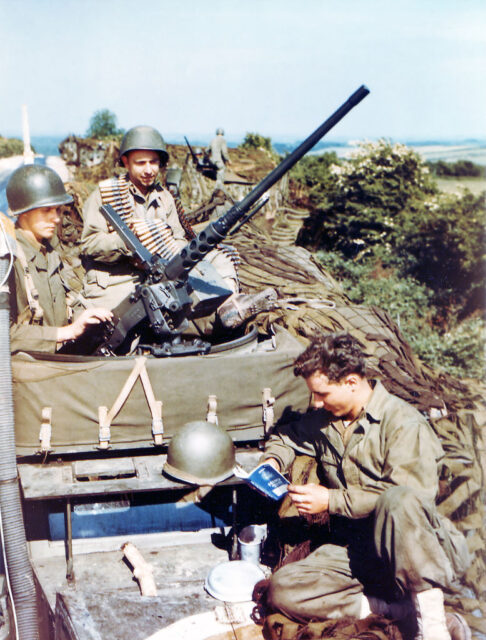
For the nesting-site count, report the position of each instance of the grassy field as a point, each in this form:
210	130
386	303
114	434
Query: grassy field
457	185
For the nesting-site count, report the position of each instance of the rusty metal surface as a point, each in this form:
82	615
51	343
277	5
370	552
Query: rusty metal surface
105	600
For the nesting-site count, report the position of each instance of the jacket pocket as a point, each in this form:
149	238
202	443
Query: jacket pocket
102	278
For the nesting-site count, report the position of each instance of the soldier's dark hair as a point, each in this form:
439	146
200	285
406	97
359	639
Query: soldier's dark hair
335	354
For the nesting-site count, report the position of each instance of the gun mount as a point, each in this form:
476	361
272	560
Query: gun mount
204	166
163	301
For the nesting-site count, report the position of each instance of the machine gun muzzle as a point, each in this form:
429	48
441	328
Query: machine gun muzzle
216	231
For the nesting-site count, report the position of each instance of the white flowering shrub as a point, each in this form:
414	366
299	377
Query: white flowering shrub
361	201
394	240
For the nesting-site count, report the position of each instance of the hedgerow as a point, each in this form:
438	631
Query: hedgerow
382	227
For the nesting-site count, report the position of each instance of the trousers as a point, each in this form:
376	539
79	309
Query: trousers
404	546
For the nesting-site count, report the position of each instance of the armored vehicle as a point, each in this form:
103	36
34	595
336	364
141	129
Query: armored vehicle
124	462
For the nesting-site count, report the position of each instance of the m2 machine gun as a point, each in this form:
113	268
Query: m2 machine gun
163	301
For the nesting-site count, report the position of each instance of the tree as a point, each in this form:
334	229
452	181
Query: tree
11	147
256	141
444	247
103	125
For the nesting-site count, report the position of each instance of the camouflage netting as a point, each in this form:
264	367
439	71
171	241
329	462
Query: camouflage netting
310	299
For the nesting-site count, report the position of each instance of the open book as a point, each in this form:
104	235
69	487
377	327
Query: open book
265	479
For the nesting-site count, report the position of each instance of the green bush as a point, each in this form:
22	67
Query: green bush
459	351
359	203
382	205
394	241
103	125
313	170
257	141
459	169
409	302
11	147
443	246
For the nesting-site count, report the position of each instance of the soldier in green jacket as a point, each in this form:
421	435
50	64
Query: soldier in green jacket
40	317
386	550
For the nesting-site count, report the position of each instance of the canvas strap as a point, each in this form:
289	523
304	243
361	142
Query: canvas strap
155	235
35	313
106	417
212	415
268	415
45	432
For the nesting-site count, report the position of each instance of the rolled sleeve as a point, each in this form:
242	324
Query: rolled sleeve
29	337
294	438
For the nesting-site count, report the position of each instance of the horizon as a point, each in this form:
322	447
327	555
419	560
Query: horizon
178	138
473	150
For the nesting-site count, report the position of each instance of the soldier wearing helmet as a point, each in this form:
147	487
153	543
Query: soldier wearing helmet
218	155
111	275
39	311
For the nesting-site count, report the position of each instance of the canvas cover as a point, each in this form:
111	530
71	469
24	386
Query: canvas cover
75	390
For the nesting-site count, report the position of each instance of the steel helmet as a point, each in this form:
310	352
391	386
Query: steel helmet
200	453
220	131
143	138
32	186
173	176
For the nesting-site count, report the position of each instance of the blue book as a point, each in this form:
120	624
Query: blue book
265	479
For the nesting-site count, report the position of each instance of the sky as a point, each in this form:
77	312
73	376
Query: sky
275	67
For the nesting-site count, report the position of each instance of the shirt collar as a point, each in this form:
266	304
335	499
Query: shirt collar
31	246
135	191
374	408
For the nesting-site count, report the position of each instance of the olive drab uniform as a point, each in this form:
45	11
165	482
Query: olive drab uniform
38	296
110	274
385	536
219	156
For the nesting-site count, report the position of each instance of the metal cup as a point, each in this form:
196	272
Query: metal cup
250	540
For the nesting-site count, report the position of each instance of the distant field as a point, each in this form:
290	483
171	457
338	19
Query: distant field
452	153
457	185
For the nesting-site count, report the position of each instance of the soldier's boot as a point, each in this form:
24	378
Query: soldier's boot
397	610
242	306
456	626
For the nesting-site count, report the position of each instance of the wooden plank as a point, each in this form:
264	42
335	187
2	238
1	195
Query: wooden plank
58	480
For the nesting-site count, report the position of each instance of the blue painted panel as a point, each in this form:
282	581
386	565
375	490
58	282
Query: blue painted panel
119	518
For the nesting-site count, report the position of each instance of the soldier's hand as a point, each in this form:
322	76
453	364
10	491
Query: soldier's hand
136	263
88	317
309	498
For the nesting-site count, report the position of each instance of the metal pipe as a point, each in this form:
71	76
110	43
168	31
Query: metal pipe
18	565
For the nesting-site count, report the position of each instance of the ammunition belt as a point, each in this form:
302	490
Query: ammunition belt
155	235
116	192
186	225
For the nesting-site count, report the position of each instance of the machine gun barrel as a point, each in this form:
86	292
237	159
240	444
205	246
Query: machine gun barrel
193	154
178	266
